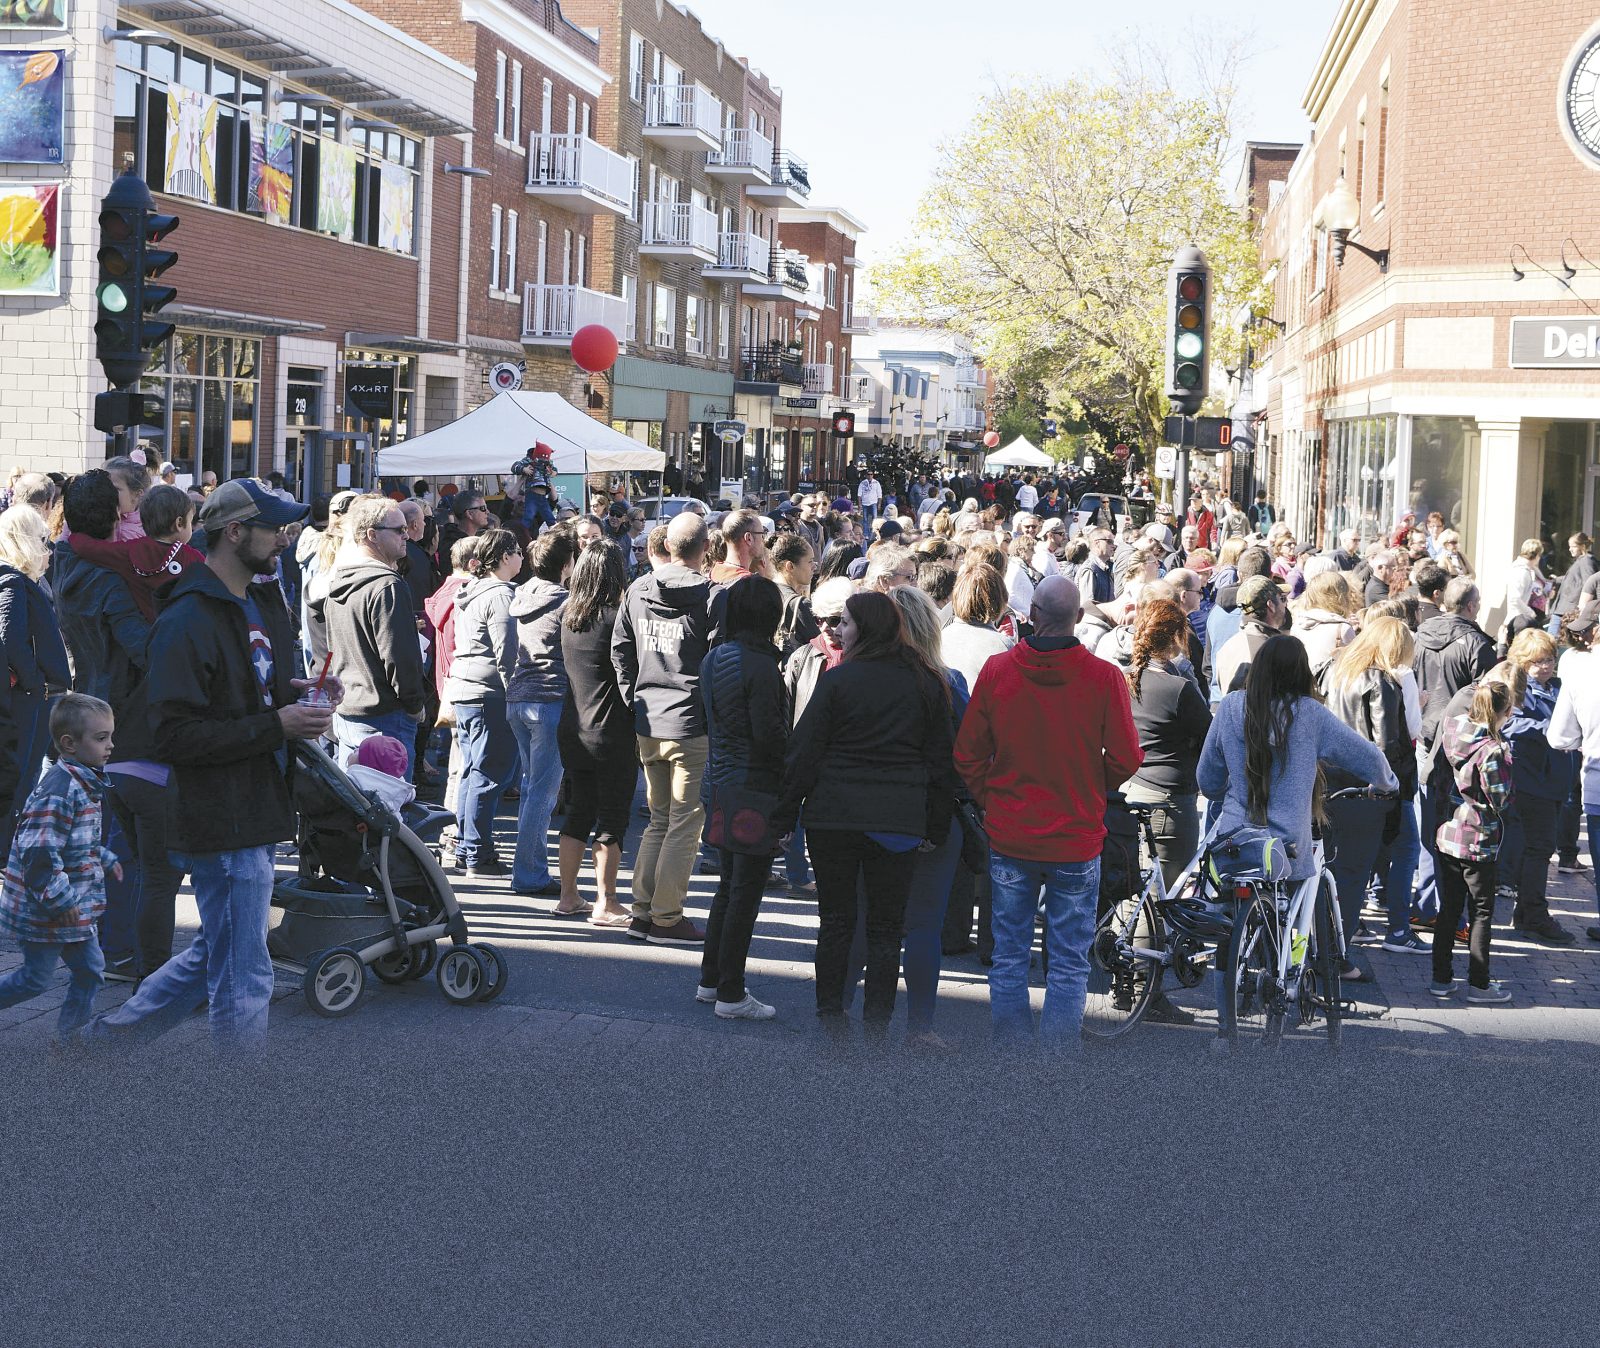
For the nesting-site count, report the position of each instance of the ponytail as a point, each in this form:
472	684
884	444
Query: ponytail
1491	703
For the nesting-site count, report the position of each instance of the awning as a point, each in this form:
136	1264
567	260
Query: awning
1020	453
489	439
393	341
225	320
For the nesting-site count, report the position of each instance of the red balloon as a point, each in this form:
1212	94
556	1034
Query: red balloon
594	348
991	439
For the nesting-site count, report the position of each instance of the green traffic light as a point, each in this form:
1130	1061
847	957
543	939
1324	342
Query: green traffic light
1188	345
113	298
1188	376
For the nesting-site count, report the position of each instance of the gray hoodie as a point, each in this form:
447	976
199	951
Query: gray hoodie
663	633
539	675
372	632
486	645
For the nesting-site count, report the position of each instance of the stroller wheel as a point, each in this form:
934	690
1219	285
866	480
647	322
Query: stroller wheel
426	957
399	966
463	974
333	981
497	970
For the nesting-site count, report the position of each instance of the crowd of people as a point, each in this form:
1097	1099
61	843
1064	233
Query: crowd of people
925	704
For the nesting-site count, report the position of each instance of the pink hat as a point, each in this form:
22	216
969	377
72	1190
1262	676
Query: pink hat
383	753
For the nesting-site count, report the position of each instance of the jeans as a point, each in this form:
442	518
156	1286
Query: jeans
1538	846
534	726
226	964
1469	885
843	860
732	923
665	860
88	967
1396	868
1594	853
1071	894
488	763
349	731
1568	817
1354	835
795	869
141	924
1428	821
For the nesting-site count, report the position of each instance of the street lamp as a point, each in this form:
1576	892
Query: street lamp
467	171
1339	213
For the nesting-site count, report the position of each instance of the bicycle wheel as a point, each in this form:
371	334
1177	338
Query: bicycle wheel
1252	1002
1125	962
1327	990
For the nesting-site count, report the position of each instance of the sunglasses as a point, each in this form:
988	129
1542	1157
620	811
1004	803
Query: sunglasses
830	622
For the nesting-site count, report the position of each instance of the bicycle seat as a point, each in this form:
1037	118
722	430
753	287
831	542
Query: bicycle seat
1144	809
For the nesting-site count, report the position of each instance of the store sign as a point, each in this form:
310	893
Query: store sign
369	390
506	376
729	432
805	404
1555	344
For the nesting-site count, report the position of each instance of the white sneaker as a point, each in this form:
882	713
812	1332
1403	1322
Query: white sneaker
748	1009
1493	995
705	994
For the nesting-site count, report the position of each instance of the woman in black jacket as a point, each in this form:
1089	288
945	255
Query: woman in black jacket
595	736
872	761
1173	721
747	724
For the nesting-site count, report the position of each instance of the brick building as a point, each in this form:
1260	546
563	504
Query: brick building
1459	371
280	293
530	221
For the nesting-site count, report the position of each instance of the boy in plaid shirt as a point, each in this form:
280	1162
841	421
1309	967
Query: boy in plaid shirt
55	879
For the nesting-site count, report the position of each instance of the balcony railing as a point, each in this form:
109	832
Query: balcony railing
554	313
680	224
743	148
741	252
685	107
858	320
819	379
789	170
771	365
964	419
789	270
968	375
581	166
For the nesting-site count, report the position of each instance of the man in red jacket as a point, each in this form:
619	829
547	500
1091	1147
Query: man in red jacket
1048	732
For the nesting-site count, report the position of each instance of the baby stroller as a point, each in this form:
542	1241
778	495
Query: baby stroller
371	893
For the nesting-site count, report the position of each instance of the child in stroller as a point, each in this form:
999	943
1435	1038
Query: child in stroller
370	890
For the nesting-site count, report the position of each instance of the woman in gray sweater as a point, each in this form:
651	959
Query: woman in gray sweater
1260	759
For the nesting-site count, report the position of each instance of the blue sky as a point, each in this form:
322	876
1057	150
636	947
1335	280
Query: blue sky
871	86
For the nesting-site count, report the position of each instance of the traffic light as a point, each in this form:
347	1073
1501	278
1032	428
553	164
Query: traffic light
844	423
1188	330
126	298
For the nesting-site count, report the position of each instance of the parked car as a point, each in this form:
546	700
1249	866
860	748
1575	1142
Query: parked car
1092	507
658	510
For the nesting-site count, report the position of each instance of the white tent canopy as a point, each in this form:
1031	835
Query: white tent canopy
489	439
1018	454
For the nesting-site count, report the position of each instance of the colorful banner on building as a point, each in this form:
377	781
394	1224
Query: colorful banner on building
395	208
33	92
29	257
33	13
336	190
271	169
191	144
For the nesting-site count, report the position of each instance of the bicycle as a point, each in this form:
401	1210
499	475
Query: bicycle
1285	951
1138	940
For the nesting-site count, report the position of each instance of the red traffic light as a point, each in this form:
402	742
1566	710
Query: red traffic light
1191	288
844	423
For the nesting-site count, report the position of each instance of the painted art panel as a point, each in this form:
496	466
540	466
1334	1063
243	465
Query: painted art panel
191	144
271	169
30	262
33	14
336	190
33	93
395	208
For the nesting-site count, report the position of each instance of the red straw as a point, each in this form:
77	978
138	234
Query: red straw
327	660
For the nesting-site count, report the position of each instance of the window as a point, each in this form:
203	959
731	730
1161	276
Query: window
1360	179
500	95
545	100
636	67
516	103
1319	277
582	277
544	245
566	257
630	302
830	286
663	328
694	341
1383	143
722	332
494	250
583	122
208	385
511	252
572	115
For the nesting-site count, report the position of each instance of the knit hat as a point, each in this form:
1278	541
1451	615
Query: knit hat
1256	592
383	753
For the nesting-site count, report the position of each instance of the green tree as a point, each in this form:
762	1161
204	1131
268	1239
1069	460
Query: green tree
1048	230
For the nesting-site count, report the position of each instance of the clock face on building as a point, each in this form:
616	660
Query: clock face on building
1580	99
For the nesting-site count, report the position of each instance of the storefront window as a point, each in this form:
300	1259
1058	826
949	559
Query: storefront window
1439	470
395	427
208	384
1362	466
1561	499
808	456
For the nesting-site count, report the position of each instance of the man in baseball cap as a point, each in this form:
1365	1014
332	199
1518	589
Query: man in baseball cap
245	500
1265	605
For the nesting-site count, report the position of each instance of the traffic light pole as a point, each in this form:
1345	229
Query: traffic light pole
1180	476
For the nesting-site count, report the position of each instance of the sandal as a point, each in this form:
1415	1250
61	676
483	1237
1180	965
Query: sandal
610	919
582	910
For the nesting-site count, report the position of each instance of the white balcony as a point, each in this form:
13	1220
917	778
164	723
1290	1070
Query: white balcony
964	419
680	114
579	173
819	379
857	322
786	278
741	256
551	314
969	374
679	229
790	184
855	390
745	157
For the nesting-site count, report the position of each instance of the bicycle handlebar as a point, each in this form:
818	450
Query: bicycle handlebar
1363	793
